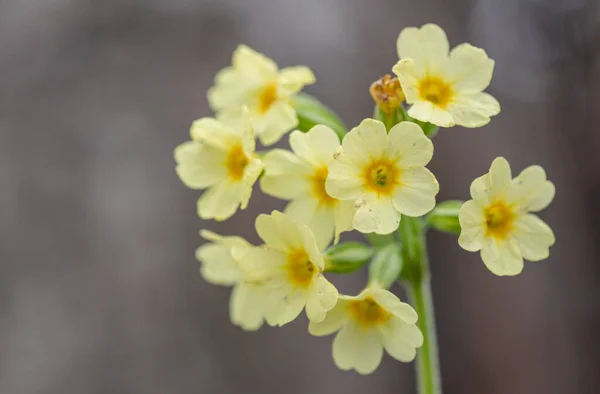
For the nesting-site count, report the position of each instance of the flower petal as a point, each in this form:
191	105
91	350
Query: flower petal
293	79
530	190
500	177
220	201
317	146
278	120
334	320
533	237
472	226
400	340
409	76
281	310
259	263
425	111
322	298
376	215
246	306
427	45
218	266
470	68
357	349
345	178
199	167
502	258
473	110
408	145
343	214
392	304
213	133
415	196
367	140
310	245
286	176
251	174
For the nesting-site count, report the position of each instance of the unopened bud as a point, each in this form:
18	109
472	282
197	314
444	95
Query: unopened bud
387	93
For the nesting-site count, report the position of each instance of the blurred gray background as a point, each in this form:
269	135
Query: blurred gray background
99	289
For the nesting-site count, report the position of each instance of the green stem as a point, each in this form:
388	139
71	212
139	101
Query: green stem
416	279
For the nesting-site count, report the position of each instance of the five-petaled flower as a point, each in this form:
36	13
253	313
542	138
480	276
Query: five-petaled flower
290	266
444	89
220	157
368	323
253	80
300	177
384	175
498	222
246	307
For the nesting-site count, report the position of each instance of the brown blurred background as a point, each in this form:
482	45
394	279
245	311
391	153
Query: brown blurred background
99	289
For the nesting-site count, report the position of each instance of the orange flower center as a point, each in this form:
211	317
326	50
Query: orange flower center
267	97
318	184
367	312
499	219
236	162
382	176
300	269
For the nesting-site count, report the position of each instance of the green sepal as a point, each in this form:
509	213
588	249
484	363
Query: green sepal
347	257
386	266
389	120
444	217
312	112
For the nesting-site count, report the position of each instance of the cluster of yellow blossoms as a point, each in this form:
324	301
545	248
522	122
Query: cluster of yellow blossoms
367	182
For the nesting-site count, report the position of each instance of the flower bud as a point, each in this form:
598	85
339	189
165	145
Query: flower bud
347	257
386	266
387	93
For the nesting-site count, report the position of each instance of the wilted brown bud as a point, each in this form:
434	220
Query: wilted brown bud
387	93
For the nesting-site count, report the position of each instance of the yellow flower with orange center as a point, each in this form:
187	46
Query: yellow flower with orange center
254	80
220	157
498	220
300	177
290	268
369	323
444	87
383	174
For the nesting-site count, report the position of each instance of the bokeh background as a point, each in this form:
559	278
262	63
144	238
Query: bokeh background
99	289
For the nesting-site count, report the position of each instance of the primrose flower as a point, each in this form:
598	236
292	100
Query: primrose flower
444	89
368	323
300	177
383	174
254	81
290	266
498	222
220	267
219	157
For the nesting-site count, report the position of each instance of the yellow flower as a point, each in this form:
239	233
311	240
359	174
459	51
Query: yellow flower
300	177
290	266
254	80
368	323
219	157
444	89
219	267
384	175
498	222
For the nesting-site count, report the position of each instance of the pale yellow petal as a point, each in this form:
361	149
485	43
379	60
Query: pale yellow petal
530	190
250	62
310	245
345	179
400	340
334	320
472	226
415	196
480	190
427	45
365	141
268	230
408	145
218	264
294	233
251	174
259	263
233	88
500	177
322	298
354	348
284	308
293	79
286	176
533	237
322	225
343	214
473	110
317	146
220	201
470	68
409	77
278	120
197	166
390	302
246	306
502	258
213	133
376	215
426	111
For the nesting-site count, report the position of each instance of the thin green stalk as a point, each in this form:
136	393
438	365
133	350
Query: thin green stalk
416	279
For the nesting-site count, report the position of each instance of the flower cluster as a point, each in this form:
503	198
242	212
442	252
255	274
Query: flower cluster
371	178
